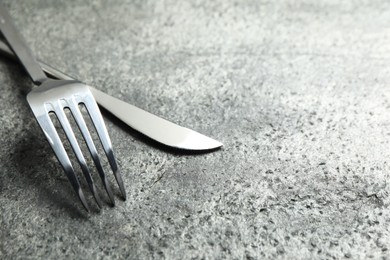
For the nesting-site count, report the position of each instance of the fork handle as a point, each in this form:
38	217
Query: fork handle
20	48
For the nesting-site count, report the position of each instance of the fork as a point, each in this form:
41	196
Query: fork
54	97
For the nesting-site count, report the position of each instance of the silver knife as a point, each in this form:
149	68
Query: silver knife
154	127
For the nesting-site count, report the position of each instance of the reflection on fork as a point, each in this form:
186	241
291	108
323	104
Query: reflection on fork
55	96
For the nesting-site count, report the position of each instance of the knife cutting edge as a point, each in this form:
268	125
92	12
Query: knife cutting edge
156	128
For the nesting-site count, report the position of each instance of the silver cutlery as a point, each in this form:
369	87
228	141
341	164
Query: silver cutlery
54	96
156	128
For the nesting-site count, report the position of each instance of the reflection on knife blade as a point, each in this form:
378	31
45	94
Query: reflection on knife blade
154	127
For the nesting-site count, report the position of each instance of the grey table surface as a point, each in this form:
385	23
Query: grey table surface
298	92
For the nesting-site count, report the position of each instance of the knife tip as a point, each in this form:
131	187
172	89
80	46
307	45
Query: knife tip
198	142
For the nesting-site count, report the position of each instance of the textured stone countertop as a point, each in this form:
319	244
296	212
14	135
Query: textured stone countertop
298	92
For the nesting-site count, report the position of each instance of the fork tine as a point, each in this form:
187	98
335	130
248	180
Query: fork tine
91	146
97	119
59	150
76	149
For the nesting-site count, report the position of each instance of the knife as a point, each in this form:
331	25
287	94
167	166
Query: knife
156	128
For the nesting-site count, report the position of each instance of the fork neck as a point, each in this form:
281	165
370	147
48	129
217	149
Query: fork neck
20	48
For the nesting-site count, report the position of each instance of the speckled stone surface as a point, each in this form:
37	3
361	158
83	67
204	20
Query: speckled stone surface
298	92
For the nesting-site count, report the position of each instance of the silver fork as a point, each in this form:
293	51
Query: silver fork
54	96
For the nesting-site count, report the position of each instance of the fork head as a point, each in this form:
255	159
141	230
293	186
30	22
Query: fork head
54	96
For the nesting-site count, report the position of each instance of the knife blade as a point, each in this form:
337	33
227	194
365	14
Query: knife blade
156	128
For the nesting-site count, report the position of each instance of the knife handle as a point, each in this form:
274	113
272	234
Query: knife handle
54	73
49	70
6	51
